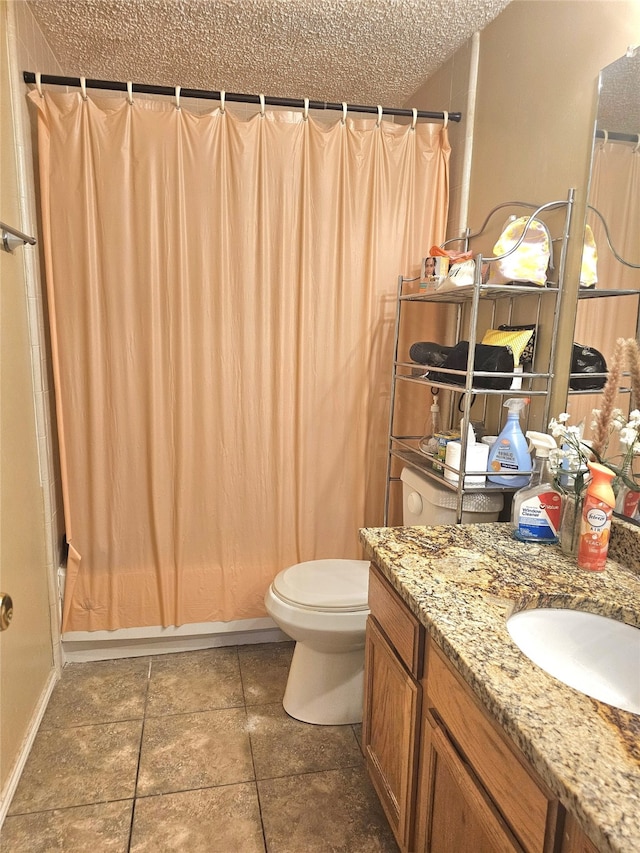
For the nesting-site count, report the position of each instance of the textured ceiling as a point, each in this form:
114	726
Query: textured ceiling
619	107
359	51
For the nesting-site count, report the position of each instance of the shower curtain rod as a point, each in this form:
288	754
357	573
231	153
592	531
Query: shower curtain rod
299	103
617	136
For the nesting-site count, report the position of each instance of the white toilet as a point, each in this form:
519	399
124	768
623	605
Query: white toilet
322	605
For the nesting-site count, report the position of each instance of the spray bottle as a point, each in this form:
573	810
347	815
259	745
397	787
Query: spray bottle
536	508
596	519
510	452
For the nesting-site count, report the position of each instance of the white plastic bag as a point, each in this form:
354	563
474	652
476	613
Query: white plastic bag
530	260
460	275
589	270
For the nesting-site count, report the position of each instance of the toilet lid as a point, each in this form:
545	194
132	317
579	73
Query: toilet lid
325	584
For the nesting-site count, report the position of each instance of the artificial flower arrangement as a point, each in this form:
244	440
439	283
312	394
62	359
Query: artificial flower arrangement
569	461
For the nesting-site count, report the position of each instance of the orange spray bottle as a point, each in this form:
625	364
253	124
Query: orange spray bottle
596	519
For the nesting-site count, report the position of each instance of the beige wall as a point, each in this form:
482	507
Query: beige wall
28	50
536	101
28	533
25	648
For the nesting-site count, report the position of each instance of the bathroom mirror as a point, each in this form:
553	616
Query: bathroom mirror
614	192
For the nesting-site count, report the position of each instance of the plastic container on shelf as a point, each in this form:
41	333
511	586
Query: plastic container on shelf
427	502
476	459
477	455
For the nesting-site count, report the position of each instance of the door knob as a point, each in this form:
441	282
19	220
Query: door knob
6	611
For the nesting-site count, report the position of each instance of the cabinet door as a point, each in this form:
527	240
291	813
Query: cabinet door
521	797
455	812
390	732
574	840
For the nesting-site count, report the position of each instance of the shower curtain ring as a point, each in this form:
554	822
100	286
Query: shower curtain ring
344	112
379	116
223	95
606	137
130	92
305	114
261	105
636	147
415	118
83	88
178	97
39	83
446	119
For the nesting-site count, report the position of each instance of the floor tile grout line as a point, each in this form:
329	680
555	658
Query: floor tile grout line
156	716
264	830
355	766
196	711
88	725
156	794
253	763
135	782
69	808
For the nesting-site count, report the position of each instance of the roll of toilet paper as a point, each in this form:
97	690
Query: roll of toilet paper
477	458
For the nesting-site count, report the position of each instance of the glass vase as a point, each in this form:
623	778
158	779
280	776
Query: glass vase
627	501
570	520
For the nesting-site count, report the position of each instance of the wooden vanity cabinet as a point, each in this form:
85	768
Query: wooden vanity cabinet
392	705
476	790
448	777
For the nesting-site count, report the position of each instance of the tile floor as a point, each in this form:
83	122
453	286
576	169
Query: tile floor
191	752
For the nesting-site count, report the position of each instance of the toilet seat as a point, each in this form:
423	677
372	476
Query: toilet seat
325	585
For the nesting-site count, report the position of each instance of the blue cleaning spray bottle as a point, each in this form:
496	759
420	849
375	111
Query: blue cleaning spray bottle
510	452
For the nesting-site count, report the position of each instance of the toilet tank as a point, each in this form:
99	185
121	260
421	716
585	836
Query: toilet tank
425	501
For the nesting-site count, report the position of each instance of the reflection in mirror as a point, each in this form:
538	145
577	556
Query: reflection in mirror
615	225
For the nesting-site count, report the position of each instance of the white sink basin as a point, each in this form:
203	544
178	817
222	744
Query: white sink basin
596	655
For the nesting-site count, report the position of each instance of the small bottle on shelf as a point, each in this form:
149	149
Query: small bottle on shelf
429	442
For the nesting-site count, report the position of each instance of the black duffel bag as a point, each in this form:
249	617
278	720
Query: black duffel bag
586	361
427	352
487	358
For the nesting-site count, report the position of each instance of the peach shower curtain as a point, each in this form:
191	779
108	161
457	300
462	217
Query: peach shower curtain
221	298
615	192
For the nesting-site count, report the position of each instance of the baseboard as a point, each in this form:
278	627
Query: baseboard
82	646
9	789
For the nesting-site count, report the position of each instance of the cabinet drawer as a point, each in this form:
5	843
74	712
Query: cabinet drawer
402	629
528	808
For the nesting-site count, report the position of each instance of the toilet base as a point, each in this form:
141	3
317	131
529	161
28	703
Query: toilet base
325	688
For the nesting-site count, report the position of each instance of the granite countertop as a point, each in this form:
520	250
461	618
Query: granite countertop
462	582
